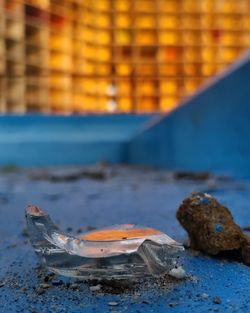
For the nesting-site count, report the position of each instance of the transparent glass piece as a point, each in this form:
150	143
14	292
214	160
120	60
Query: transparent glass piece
122	251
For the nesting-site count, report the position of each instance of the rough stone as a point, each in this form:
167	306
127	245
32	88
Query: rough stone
209	224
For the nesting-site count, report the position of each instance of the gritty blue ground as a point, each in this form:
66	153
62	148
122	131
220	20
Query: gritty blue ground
129	195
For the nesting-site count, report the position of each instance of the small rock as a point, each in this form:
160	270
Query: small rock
172	304
145	302
80	231
178	272
40	291
194	279
113	303
25	232
216	300
90	228
74	286
210	225
45	286
192	175
204	296
95	288
48	277
2	285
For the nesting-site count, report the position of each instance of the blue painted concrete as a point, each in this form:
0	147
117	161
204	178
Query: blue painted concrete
211	131
56	140
130	196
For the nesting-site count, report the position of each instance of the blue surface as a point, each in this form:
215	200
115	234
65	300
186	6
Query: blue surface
56	140
130	196
211	131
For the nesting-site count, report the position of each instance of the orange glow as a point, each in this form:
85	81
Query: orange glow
152	53
117	234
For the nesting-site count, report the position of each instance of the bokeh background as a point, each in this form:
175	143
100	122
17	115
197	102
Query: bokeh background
113	56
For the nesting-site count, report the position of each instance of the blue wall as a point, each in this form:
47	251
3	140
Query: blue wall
211	131
57	140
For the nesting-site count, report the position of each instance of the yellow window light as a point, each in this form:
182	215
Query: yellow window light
102	20
102	37
170	69
147	6
146	69
103	69
169	87
191	54
146	104
190	85
168	103
123	69
208	69
168	37
122	5
208	54
146	88
192	69
170	6
124	104
169	21
122	20
146	37
103	5
145	21
123	88
123	37
191	6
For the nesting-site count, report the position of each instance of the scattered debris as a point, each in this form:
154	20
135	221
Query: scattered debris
9	168
211	227
217	300
98	172
145	302
178	272
40	291
74	286
204	296
23	276
192	175
113	286
25	232
49	277
172	304
45	286
80	231
90	228
95	288
113	303
128	286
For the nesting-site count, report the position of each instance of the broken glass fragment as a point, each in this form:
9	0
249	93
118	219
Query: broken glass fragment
122	251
